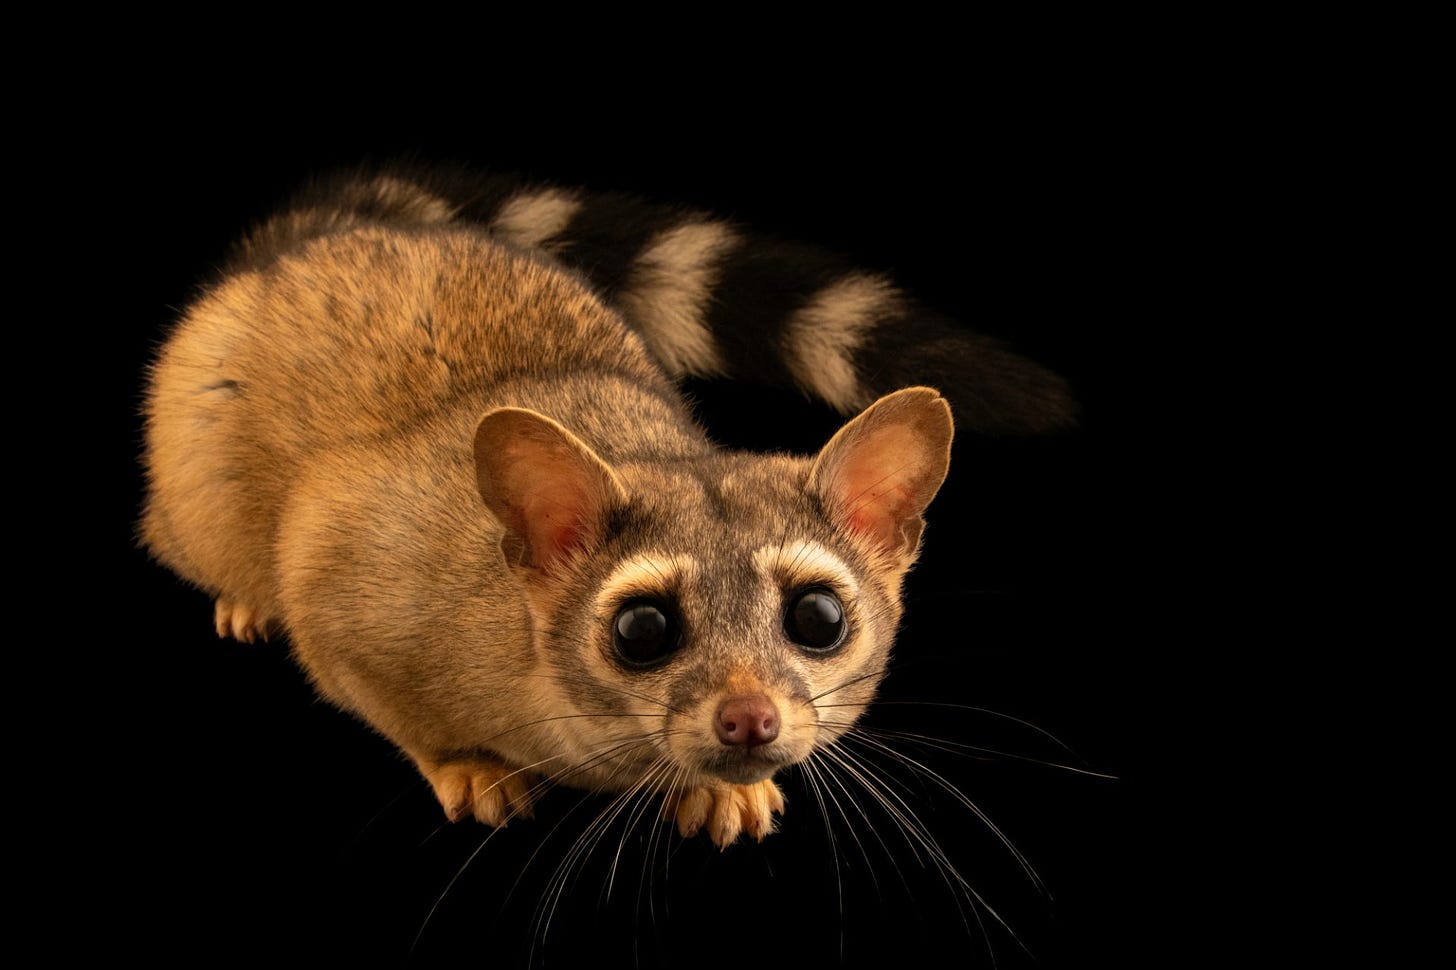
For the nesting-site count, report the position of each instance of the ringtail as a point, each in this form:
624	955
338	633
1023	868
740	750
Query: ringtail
427	426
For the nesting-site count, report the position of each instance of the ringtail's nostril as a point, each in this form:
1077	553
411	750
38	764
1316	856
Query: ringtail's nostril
748	720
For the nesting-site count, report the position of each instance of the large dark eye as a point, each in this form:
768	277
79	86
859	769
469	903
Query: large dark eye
645	632
815	620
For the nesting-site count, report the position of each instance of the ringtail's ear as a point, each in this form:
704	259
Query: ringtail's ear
880	471
544	484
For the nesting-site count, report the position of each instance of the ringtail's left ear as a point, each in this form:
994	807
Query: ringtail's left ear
879	472
545	485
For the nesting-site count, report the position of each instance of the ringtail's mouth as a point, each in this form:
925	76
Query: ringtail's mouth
746	766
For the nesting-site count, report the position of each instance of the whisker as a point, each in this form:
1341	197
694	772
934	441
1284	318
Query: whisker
960	796
812	773
871	675
658	841
484	742
547	781
617	688
633	798
962	748
915	831
825	774
877	789
439	900
644	784
605	753
984	710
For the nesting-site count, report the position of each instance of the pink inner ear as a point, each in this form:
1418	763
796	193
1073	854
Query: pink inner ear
876	508
880	471
547	489
555	518
875	484
565	538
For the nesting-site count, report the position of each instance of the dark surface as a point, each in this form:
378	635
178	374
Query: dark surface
248	818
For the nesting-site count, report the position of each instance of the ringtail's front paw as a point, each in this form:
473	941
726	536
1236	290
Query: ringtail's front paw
727	811
488	789
239	621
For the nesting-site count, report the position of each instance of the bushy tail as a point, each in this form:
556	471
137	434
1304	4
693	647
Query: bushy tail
710	298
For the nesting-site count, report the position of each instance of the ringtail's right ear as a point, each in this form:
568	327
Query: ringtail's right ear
879	472
545	485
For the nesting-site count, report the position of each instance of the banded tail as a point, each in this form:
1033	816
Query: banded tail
710	298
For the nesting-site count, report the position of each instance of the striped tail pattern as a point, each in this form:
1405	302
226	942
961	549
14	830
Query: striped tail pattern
711	299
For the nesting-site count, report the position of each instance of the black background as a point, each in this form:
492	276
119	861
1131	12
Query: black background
246	818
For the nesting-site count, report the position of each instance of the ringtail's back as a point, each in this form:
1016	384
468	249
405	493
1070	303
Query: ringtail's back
426	426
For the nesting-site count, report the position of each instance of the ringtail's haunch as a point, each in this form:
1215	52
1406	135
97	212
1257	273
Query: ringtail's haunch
425	426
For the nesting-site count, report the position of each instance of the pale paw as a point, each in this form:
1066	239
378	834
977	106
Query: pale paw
482	787
727	811
239	621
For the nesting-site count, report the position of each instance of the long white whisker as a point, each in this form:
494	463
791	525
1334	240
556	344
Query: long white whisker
485	742
814	772
439	900
644	785
914	831
876	788
659	840
956	747
872	675
958	795
546	782
882	703
582	846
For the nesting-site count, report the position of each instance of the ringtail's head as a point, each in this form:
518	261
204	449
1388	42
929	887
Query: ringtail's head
720	618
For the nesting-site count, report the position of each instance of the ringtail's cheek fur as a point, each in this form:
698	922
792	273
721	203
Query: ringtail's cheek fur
458	477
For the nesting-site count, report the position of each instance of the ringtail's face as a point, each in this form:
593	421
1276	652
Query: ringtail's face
722	619
739	640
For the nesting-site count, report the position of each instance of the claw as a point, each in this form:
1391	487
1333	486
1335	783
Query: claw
239	621
490	790
727	811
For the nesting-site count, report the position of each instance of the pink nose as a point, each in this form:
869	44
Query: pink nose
748	720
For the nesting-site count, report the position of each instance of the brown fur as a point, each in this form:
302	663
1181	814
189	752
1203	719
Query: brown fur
422	454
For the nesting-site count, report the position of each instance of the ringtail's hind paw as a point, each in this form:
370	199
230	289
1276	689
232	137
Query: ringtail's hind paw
239	621
483	787
727	811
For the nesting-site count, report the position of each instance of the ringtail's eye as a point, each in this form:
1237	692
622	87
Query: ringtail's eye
815	620
646	632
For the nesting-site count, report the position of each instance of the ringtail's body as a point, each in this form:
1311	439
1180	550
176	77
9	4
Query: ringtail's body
455	472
